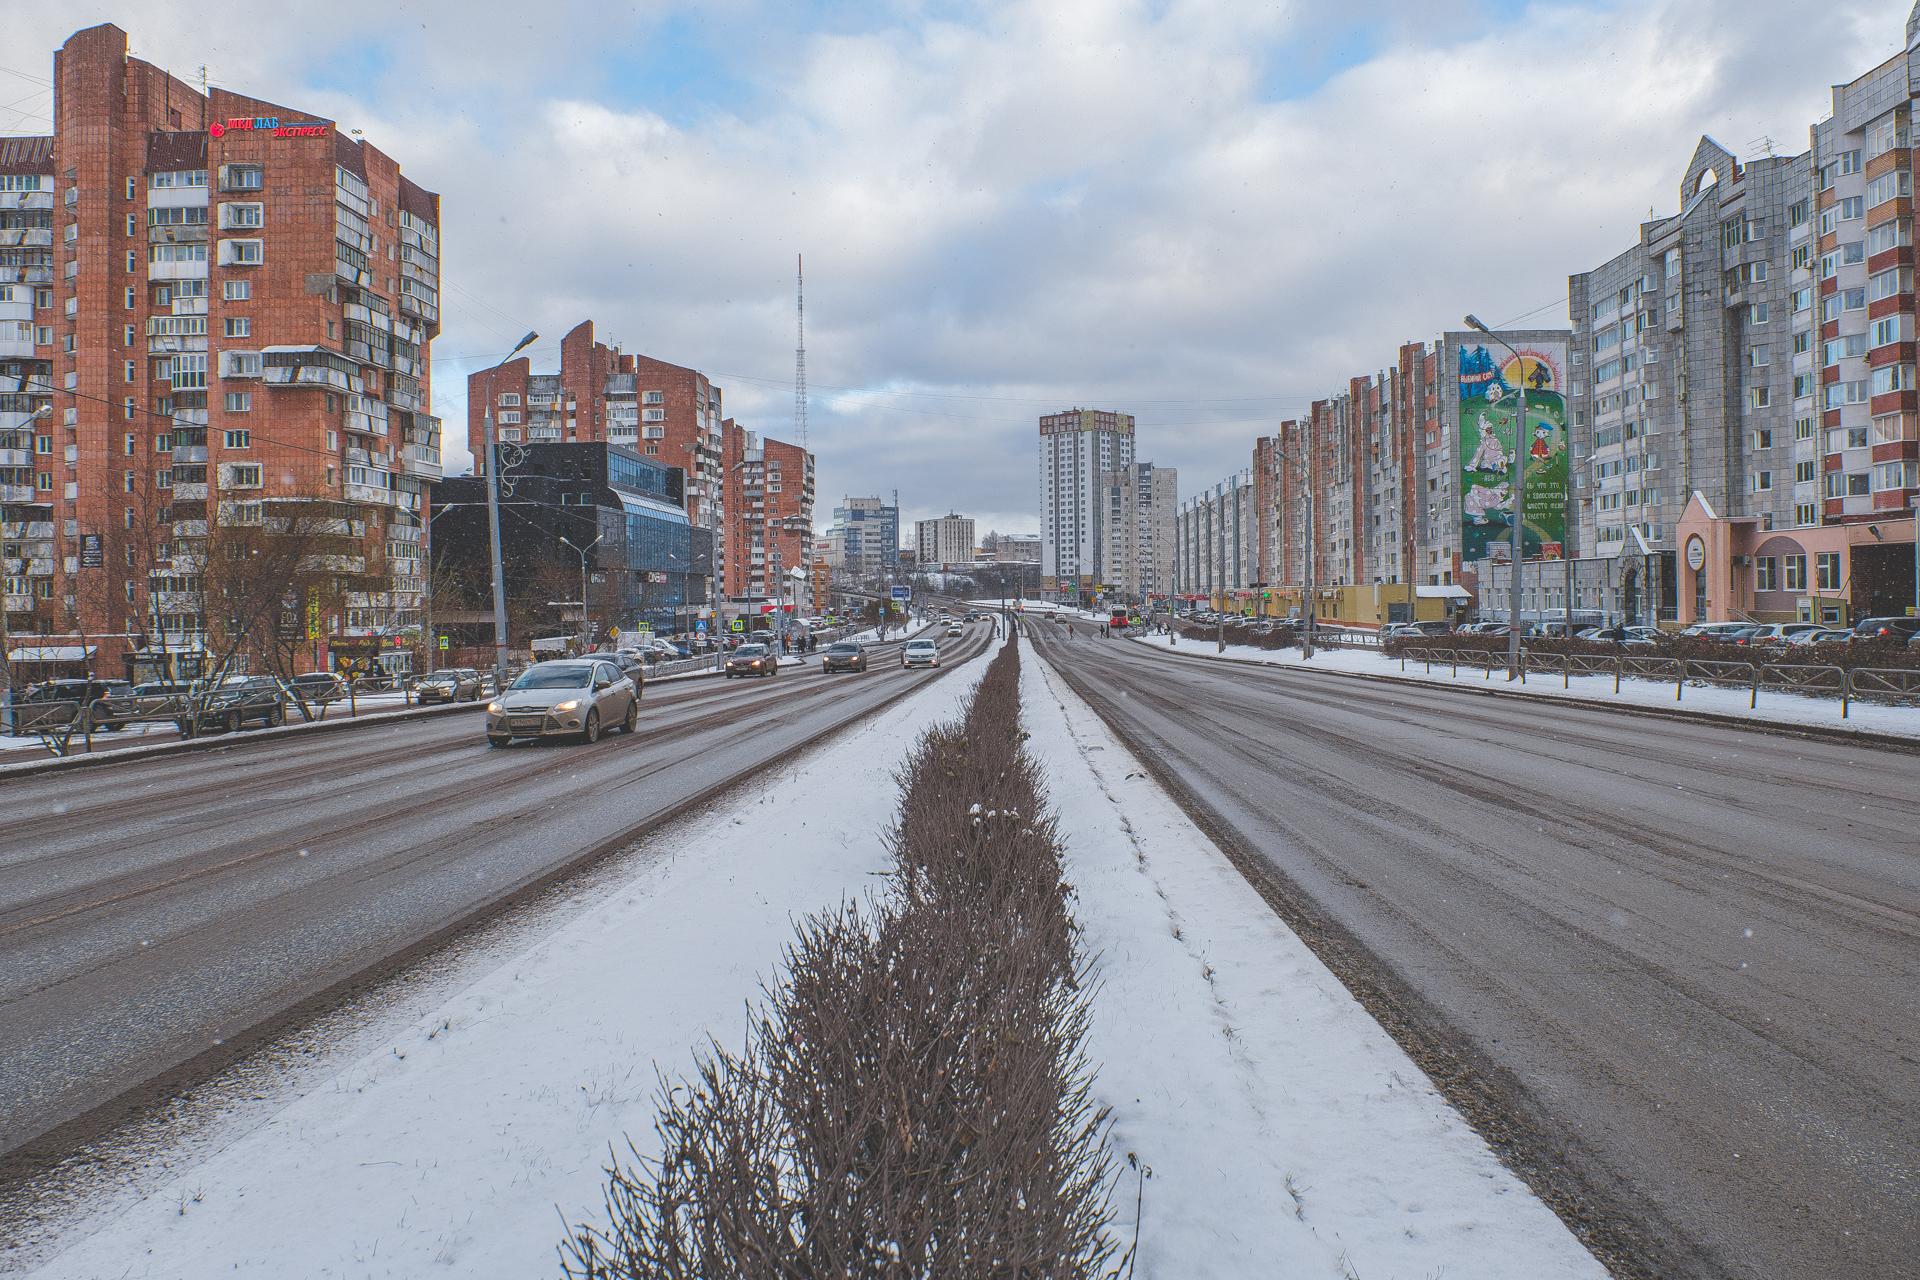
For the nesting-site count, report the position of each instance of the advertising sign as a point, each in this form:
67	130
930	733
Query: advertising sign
91	556
1490	379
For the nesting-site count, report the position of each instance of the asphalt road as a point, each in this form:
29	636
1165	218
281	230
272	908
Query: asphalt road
1672	969
153	911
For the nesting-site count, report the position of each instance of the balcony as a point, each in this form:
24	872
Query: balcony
18	493
190	528
19	604
369	493
26	237
177	270
15	458
190	492
192	233
187	453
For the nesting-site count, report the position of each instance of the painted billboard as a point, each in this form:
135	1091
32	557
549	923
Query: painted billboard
1490	380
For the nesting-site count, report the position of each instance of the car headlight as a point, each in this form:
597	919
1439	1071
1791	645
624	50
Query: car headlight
494	709
571	704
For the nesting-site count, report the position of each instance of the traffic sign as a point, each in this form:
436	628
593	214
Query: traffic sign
903	593
444	646
700	624
738	624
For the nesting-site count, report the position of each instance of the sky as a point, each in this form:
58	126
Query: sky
1208	213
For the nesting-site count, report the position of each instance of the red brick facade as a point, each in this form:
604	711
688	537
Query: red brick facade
239	312
769	511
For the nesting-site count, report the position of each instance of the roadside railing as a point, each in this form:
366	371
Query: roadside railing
1890	686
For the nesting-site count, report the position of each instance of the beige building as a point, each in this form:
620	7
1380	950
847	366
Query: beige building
943	541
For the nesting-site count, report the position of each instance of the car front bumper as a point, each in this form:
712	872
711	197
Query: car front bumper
535	724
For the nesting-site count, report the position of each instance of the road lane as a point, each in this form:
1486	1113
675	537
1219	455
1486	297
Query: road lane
1681	961
151	909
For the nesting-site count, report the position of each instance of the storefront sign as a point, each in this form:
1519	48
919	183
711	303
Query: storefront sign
1696	554
270	125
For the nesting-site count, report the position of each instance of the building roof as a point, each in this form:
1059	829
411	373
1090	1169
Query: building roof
170	151
26	155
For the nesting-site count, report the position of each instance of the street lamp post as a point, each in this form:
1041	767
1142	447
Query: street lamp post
1516	540
493	529
586	623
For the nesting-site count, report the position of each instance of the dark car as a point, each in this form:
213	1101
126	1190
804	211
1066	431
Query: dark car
843	655
1888	628
449	684
236	703
633	665
318	688
60	702
752	660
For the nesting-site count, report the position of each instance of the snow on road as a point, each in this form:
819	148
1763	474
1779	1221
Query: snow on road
1775	706
457	1147
1287	1133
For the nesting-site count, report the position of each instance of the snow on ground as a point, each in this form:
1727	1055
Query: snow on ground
1775	706
1288	1135
458	1149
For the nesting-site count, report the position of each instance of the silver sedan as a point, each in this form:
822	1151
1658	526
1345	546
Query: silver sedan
573	696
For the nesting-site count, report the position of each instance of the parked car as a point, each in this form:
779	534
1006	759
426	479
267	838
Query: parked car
920	653
449	684
55	703
752	660
1820	635
1780	632
843	655
564	697
317	688
1889	628
234	704
1720	630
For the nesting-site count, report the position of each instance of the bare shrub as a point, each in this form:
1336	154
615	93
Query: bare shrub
913	1099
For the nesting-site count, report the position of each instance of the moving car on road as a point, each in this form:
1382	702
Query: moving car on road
843	655
920	653
752	660
955	629
449	684
564	698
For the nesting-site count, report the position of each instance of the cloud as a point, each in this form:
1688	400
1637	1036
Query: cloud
1208	212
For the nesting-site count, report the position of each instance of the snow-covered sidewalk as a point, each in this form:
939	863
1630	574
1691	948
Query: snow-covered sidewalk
1775	706
458	1146
1287	1134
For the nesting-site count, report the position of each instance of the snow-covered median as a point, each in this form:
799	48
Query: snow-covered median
1287	1134
460	1146
1775	706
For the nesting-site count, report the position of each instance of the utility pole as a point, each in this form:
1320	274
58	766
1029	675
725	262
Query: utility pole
1310	542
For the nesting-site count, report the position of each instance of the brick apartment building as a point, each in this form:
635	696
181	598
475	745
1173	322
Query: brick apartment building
215	312
768	502
662	411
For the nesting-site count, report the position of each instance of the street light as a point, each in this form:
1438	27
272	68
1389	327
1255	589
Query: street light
493	528
585	624
1516	540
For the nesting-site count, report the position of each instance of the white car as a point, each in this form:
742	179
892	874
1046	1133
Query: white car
920	653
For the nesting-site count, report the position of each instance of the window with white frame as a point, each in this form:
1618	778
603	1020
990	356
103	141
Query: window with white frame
242	253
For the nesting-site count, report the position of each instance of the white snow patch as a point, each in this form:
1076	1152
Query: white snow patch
458	1148
1287	1133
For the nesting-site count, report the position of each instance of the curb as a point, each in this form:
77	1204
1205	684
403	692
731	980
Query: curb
1784	728
184	745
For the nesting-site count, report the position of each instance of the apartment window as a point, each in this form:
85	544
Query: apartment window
241	475
178	178
1891	329
237	439
1766	574
1762	481
126	483
242	253
239	402
509	399
129	443
236	290
1898	474
130	297
43	481
1805	513
1803	299
1849	347
1851	207
1796	572
163	443
653	415
1893	234
654	397
242	177
1890	284
1892	377
239	327
1756	272
508	416
130	369
1757	313
1762	439
240	217
1888	186
1845	393
1759	397
1826	568
43	444
653	450
1803	472
1759	357
1848	162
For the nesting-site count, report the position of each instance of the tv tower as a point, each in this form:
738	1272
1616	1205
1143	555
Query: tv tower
800	351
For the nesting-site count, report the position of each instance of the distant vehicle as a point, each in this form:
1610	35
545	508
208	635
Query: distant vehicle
843	655
633	667
955	629
762	635
1781	632
318	687
752	660
1731	631
1890	628
449	684
920	653
234	704
563	698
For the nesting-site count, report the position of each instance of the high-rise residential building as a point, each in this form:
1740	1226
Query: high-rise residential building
1077	447
1692	360
1140	503
664	411
943	542
217	314
769	512
1214	539
866	533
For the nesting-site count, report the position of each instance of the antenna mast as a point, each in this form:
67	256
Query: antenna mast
800	351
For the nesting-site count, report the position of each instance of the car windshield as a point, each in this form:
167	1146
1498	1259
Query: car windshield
750	650
844	650
544	677
918	645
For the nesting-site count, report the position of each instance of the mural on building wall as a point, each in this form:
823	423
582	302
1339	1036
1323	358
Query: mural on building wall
1489	404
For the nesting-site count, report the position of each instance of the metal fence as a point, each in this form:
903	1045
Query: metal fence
1890	686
